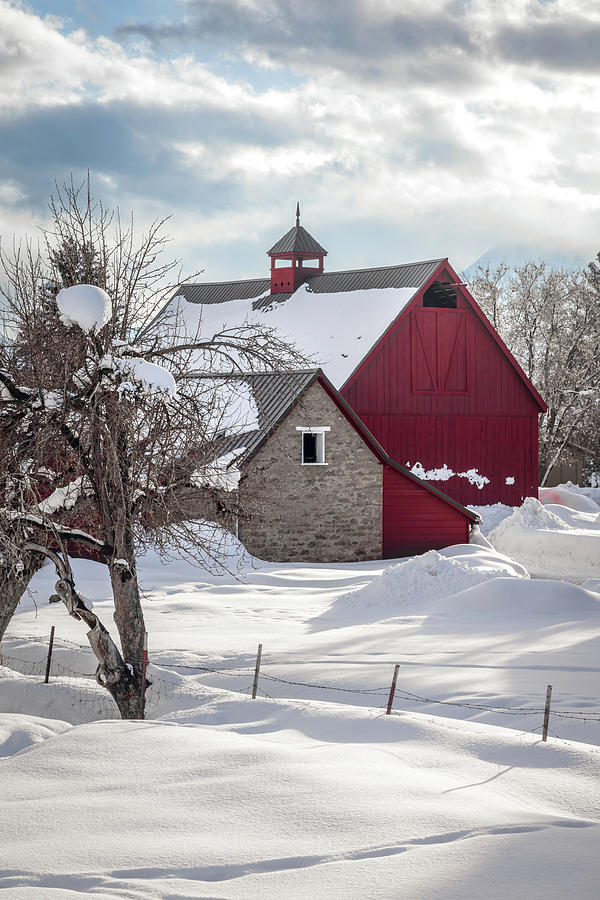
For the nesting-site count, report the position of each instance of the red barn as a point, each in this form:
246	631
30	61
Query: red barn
441	388
413	355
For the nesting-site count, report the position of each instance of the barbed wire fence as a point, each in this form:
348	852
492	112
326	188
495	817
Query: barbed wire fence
164	691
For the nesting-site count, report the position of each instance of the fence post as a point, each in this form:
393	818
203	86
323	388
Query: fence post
547	713
392	691
144	667
256	671
49	660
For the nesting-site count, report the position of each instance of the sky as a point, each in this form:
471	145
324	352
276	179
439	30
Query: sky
406	129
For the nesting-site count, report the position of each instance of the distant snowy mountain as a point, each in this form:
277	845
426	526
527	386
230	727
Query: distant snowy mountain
518	254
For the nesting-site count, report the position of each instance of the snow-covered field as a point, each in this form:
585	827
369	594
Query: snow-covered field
311	790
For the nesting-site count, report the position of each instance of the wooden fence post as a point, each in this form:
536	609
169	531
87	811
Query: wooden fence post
392	691
547	713
49	660
256	671
144	667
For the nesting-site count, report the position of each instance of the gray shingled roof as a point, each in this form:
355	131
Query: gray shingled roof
407	275
297	240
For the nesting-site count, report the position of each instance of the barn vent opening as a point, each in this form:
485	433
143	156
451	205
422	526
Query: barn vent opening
440	295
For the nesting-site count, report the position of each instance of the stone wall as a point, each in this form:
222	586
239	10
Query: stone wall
314	513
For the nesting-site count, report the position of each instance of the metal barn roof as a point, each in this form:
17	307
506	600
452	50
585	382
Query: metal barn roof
407	275
274	394
222	291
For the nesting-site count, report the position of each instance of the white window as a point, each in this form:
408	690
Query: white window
313	445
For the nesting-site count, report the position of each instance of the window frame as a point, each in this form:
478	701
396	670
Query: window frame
319	431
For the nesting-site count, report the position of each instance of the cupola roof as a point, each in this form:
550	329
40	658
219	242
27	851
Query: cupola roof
297	240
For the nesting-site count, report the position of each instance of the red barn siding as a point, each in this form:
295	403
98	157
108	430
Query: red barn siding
415	520
438	389
454	440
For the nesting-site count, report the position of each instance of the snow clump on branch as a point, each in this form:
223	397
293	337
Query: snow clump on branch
149	377
85	305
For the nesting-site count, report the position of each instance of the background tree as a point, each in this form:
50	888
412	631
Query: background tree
550	320
99	418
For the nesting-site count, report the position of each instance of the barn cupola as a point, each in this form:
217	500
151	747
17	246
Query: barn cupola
294	258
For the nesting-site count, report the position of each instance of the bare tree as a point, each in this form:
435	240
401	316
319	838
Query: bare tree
550	320
104	413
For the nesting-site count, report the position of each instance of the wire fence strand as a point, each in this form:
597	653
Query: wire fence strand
162	689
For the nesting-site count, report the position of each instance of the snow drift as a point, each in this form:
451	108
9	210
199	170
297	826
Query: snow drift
567	496
412	585
551	541
298	799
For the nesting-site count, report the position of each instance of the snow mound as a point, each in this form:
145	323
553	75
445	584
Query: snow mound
532	515
414	584
249	808
517	598
592	493
547	544
491	515
85	305
216	552
592	584
565	496
76	699
574	519
18	731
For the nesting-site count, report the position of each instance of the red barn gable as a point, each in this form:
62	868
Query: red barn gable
413	355
440	388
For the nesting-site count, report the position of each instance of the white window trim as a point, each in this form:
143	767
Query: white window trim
318	430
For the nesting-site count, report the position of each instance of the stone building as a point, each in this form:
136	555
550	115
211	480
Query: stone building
316	485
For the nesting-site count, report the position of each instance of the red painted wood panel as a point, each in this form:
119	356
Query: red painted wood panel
438	389
498	447
438	351
415	520
493	387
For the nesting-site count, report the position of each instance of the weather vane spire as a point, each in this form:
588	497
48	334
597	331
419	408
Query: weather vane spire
297	215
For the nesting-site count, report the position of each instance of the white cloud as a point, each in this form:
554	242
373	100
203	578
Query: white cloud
410	116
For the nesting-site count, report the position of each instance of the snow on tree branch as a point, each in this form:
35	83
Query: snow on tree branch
84	305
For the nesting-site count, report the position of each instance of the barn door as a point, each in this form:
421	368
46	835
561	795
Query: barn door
439	351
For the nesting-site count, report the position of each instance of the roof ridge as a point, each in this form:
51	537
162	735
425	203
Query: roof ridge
229	281
419	262
201	373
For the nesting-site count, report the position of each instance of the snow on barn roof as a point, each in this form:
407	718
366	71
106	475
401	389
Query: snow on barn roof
325	318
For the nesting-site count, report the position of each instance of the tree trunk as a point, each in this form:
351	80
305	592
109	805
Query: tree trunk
129	620
121	680
13	585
